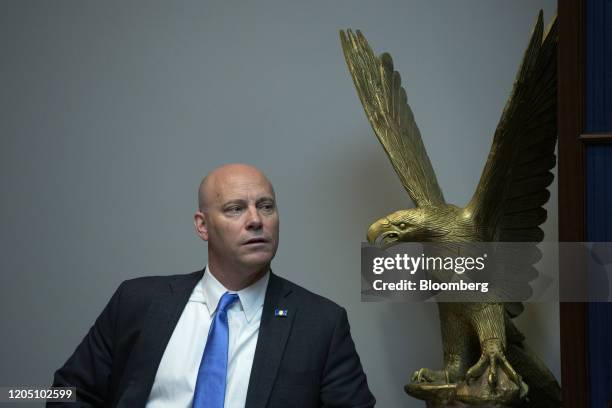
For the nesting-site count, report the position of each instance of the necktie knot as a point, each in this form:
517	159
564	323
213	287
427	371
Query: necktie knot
226	301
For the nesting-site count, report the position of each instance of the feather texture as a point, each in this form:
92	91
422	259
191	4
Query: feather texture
513	184
385	103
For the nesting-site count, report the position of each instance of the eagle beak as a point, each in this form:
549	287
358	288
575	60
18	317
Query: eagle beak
376	229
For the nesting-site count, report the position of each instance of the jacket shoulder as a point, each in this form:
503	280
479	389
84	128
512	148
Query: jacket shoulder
154	283
133	296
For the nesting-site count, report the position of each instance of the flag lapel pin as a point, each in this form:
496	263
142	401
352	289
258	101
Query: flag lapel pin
280	312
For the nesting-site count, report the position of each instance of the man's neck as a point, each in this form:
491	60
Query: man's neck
236	279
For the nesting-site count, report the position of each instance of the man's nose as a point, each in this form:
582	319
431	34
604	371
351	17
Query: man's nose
254	220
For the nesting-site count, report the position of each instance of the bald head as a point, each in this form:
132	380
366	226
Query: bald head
212	184
239	221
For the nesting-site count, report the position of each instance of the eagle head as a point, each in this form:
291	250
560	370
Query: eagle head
413	225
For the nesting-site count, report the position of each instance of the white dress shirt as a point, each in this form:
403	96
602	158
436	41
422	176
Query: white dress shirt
176	376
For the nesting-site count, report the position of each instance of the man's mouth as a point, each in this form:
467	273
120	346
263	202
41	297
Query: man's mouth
253	241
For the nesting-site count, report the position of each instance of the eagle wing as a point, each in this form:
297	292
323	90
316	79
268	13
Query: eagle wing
384	100
508	201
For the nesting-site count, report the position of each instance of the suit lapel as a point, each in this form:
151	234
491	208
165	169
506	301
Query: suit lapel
271	341
158	325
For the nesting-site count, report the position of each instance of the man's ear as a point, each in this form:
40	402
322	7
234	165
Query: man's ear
201	225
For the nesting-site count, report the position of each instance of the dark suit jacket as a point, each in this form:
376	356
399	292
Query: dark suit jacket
306	359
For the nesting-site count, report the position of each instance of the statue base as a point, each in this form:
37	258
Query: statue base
477	393
462	405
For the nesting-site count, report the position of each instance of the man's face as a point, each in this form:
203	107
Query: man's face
240	221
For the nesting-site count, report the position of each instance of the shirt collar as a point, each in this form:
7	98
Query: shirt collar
210	290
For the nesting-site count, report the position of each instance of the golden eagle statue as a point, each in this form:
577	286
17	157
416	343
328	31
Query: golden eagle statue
485	358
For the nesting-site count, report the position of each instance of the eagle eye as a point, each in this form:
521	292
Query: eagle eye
402	225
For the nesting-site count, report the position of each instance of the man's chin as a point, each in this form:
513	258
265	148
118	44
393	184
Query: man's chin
256	261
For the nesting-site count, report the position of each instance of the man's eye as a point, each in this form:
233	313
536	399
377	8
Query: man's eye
268	207
233	210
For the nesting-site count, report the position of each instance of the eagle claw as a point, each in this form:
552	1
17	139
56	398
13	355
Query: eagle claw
430	376
493	356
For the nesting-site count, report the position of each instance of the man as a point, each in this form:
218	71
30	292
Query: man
232	335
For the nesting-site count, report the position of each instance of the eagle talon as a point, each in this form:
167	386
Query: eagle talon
423	375
492	354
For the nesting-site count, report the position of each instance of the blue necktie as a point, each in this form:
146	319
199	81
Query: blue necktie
210	385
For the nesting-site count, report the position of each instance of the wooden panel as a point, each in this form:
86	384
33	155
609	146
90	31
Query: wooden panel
596	138
573	316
